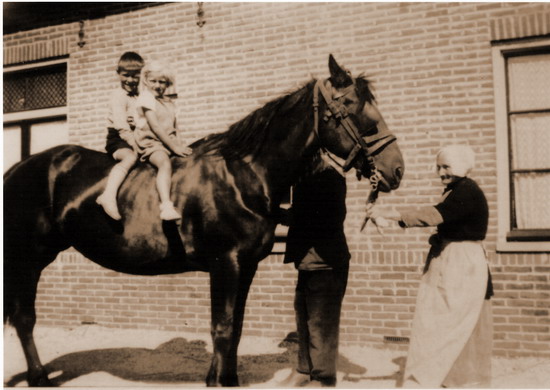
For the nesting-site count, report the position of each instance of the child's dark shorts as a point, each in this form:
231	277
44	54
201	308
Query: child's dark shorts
114	142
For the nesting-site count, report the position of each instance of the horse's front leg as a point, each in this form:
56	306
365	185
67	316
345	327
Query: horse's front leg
229	285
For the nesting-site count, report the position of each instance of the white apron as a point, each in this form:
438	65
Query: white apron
448	307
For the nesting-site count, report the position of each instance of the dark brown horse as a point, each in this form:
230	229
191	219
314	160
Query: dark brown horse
228	192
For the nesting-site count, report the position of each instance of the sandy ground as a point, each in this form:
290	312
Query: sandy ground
94	356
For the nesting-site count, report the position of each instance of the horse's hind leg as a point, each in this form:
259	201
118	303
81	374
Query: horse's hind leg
229	285
20	286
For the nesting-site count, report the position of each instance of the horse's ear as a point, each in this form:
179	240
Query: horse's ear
339	76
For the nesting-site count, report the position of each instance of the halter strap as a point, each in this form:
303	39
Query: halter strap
340	113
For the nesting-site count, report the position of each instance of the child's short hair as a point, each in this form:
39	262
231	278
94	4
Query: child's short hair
161	68
130	61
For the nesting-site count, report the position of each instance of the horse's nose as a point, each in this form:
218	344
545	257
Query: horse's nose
398	175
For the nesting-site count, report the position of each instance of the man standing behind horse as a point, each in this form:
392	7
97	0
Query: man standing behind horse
317	246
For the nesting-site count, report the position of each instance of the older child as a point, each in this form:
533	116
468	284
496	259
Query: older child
155	134
120	125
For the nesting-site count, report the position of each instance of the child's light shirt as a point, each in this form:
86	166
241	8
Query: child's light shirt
165	110
122	107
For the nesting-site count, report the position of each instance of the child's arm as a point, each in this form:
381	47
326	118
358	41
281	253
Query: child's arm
185	149
119	112
156	128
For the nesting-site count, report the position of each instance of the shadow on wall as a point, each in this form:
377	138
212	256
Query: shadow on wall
176	361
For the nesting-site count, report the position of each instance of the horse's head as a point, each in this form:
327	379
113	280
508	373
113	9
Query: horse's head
351	127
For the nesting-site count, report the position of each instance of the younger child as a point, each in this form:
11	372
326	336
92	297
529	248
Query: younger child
120	126
155	134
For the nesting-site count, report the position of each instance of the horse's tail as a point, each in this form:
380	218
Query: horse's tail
28	192
10	283
10	277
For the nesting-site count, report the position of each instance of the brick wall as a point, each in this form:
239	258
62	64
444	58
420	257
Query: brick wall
432	71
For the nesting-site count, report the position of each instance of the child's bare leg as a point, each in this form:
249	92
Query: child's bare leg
127	158
164	178
107	199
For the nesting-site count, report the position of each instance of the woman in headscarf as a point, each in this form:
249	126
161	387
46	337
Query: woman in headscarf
451	337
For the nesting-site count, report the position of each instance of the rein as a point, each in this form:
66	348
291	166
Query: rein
339	112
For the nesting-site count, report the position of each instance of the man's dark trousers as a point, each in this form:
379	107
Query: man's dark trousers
318	303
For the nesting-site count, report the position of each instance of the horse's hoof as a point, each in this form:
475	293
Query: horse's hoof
39	380
230	381
41	383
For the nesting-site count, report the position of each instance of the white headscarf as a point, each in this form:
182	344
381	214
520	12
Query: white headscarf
461	158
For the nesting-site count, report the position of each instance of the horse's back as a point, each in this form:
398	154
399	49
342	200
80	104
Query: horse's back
59	158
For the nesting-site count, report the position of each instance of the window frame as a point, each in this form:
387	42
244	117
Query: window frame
26	126
25	119
500	52
39	113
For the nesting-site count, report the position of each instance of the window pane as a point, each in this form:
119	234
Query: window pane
47	89
532	200
48	134
12	146
14	93
35	89
530	141
529	82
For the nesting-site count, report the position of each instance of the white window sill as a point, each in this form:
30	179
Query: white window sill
35	114
523	247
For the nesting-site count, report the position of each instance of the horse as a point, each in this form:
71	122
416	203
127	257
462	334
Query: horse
229	192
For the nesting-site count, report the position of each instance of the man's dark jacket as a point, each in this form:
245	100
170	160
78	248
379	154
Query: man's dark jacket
317	219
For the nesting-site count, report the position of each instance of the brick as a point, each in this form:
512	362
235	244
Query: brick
518	286
536	329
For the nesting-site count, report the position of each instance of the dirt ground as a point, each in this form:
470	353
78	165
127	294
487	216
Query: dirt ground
93	356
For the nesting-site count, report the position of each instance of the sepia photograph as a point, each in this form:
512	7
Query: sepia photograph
171	170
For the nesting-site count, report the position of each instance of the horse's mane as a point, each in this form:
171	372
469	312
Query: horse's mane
248	136
364	89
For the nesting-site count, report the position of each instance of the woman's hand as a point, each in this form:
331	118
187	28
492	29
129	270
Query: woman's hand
380	215
376	211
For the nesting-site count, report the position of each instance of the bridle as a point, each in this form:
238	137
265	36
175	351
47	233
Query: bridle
369	145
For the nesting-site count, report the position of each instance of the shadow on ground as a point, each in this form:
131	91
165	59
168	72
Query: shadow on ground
175	361
396	376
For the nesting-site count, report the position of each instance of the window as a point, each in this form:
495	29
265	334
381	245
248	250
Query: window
23	138
35	88
35	100
522	94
